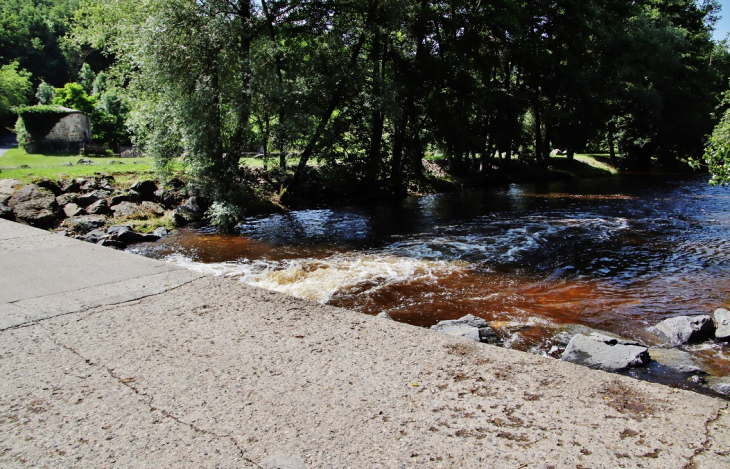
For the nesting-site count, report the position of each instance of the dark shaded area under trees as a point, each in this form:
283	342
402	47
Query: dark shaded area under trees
368	87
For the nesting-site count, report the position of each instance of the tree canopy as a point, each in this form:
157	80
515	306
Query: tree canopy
367	87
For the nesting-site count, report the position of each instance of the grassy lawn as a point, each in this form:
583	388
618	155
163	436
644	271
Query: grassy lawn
51	166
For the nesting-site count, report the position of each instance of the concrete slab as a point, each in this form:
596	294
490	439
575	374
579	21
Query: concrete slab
214	373
44	274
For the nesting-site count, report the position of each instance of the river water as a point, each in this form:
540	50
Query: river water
615	254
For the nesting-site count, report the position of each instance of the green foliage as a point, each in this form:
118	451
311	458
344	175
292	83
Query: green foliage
73	96
15	90
717	153
86	78
45	94
365	87
32	32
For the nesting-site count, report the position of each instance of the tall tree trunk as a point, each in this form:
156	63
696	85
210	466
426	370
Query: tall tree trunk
378	116
538	131
280	80
611	144
325	117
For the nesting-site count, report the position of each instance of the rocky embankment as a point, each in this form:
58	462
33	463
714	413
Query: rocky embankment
97	211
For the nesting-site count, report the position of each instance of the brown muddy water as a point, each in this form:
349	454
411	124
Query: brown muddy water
534	260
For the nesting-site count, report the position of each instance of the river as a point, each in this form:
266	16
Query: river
616	254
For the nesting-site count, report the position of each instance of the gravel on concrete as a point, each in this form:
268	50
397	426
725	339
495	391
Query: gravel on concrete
208	372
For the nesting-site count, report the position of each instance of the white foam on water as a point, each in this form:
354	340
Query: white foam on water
320	279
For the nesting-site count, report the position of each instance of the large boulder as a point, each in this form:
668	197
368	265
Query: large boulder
682	330
470	327
146	189
6	213
190	212
35	206
128	210
50	185
84	223
722	324
84	200
153	209
605	353
125	234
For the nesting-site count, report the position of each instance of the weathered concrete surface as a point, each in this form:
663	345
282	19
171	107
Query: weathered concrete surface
213	373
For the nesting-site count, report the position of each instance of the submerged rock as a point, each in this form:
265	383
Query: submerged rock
722	324
605	353
678	360
470	327
682	330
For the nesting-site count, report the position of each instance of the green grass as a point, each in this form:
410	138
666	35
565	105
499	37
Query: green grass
582	166
50	166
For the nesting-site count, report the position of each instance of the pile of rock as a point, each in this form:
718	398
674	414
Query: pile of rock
84	206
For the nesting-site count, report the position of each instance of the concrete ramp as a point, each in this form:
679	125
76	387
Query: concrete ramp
108	359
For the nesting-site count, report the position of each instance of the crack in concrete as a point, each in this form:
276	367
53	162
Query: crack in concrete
149	398
704	448
88	308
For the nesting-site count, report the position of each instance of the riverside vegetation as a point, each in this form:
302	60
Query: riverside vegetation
368	89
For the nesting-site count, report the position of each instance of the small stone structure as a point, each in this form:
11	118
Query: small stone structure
68	135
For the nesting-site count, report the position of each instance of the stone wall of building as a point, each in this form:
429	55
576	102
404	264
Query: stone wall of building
75	127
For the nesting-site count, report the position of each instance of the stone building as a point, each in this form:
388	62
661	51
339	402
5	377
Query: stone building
69	134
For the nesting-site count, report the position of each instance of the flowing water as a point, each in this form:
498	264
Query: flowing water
534	260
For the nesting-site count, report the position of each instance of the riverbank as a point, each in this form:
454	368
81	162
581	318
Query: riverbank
136	362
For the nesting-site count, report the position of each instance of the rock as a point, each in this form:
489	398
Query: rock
9	186
85	200
470	327
95	236
5	199
678	360
161	232
167	199
68	185
99	207
153	209
722	324
605	353
66	163
127	210
65	199
84	161
384	315
72	210
125	234
117	199
175	184
682	330
35	206
110	243
146	189
23	166
50	185
6	213
84	223
189	212
99	182
115	162
133	196
721	385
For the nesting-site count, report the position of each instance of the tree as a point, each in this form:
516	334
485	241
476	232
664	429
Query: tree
73	96
45	94
15	90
